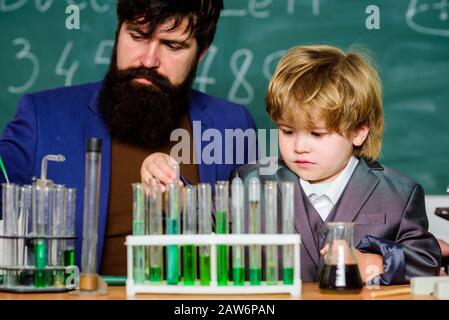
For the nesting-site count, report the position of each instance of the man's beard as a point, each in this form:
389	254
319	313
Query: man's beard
139	114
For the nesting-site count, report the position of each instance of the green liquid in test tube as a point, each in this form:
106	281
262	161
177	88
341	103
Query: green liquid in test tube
287	228
189	264
155	274
271	228
173	205
221	217
41	208
255	251
69	257
138	229
56	246
205	227
189	227
153	200
204	268
238	224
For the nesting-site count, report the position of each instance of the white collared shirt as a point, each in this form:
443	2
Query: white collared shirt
324	196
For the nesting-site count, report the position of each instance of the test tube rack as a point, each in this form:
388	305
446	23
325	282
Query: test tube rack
213	240
32	261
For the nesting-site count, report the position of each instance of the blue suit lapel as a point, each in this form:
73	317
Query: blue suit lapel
94	127
359	188
201	121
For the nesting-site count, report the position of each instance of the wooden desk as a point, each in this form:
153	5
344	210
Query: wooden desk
310	291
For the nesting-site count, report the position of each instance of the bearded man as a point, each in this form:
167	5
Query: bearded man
145	96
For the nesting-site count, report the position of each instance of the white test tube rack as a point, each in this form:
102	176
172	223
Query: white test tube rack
213	240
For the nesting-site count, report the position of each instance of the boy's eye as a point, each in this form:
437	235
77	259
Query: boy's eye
287	131
318	134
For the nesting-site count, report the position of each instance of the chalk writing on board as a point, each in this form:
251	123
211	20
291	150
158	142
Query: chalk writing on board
68	73
203	79
25	53
240	63
239	73
7	7
93	3
44	5
100	57
437	10
271	62
261	8
316	7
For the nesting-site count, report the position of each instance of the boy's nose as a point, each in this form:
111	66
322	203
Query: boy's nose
301	145
150	59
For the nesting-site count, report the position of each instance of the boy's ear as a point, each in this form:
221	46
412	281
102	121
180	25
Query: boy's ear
360	135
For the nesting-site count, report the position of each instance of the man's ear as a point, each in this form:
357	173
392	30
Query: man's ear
360	135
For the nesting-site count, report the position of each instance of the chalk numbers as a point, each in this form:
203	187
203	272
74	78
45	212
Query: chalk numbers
25	53
66	66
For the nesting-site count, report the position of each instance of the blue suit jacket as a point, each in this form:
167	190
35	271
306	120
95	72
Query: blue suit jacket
60	121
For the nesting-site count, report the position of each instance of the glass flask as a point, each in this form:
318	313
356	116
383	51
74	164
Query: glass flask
341	272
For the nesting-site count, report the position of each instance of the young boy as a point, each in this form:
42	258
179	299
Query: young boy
327	105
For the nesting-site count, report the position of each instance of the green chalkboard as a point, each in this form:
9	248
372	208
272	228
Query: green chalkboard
411	47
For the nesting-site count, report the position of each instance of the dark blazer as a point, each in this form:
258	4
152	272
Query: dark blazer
59	121
382	204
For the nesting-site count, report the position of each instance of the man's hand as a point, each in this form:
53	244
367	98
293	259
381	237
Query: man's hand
370	264
158	166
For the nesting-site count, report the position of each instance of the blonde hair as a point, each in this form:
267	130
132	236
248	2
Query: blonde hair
322	82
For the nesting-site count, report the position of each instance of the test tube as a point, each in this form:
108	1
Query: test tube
10	220
154	222
173	206
221	221
271	228
138	229
42	202
189	227
205	227
287	228
238	225
88	278
255	251
24	244
56	249
69	223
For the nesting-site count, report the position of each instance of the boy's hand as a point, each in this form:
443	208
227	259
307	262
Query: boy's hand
444	246
370	264
158	166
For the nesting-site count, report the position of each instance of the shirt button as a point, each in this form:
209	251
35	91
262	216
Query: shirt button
323	234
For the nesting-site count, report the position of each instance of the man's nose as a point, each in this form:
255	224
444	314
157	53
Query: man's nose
150	57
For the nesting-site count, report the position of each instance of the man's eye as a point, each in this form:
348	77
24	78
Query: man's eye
137	37
174	46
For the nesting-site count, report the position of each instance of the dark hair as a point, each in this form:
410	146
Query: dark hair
202	16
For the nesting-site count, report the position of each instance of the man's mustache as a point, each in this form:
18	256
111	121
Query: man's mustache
151	75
